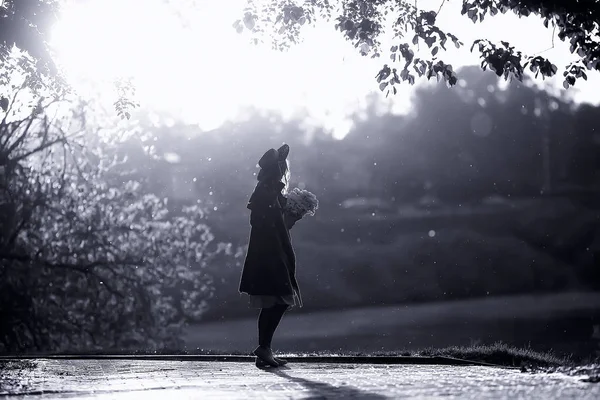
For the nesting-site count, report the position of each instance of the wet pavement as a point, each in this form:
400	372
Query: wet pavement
151	379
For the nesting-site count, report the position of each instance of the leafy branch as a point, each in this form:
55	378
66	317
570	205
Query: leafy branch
362	22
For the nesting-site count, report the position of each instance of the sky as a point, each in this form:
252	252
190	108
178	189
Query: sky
206	73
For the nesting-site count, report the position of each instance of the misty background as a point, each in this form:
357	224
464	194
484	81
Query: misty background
483	190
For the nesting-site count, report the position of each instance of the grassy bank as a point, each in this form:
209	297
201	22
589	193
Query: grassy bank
498	353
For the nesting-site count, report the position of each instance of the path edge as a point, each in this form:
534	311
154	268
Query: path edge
392	360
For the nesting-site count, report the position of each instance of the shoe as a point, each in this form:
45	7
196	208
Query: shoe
265	355
280	361
262	364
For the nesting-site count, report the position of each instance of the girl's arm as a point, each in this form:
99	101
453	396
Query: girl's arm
265	194
263	202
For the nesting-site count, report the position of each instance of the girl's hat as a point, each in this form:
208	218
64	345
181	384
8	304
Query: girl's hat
272	156
270	161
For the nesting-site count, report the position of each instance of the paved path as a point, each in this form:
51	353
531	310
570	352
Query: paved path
170	380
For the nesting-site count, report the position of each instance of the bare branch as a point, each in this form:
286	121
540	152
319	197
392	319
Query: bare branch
83	269
21	138
12	102
39	148
549	48
440	9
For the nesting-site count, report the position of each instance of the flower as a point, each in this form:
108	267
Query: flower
301	202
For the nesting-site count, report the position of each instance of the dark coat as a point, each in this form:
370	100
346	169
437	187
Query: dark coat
270	264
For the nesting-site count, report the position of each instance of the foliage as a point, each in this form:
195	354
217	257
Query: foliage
366	22
26	24
89	259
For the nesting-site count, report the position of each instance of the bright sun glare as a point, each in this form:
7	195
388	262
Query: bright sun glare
143	40
207	73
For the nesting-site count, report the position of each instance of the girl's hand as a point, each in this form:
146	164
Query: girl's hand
290	220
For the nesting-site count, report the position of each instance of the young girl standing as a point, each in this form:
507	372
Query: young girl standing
269	273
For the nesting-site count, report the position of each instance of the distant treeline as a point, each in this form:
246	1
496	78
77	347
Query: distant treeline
457	148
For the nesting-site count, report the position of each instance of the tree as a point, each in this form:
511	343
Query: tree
88	258
363	23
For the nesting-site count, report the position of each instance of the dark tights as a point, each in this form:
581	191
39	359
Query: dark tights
268	320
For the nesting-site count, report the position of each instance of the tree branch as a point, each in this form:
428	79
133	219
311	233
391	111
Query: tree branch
38	149
549	48
440	9
12	103
83	269
21	138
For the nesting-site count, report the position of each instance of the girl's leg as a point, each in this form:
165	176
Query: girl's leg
268	320
263	351
277	313
264	323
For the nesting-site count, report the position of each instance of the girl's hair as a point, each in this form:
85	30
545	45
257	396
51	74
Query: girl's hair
285	178
283	167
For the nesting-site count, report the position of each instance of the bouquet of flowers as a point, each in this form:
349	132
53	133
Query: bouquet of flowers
301	202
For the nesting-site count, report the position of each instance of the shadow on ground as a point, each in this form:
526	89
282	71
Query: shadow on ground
322	390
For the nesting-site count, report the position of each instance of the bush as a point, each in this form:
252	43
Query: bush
88	259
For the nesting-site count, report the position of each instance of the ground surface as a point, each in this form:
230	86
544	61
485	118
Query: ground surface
562	323
127	379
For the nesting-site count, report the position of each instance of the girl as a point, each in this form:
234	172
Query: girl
269	273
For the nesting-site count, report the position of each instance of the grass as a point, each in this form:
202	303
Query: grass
497	353
500	354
